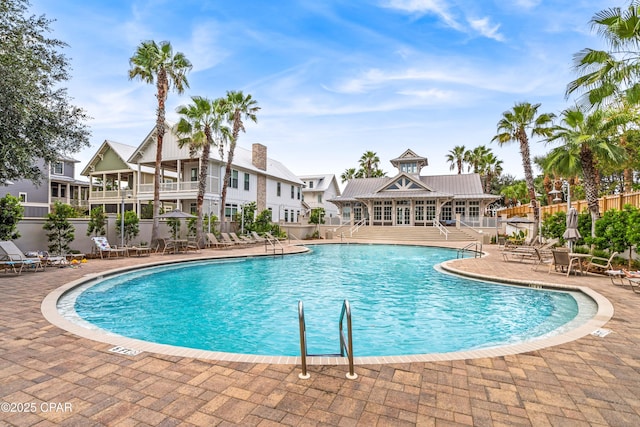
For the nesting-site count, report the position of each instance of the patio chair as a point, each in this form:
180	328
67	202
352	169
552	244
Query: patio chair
212	240
226	238
240	240
599	264
563	261
12	258
258	238
192	245
102	246
542	257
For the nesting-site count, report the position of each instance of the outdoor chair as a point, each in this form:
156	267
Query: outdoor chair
600	264
562	261
258	238
12	258
102	246
226	238
213	241
240	240
543	257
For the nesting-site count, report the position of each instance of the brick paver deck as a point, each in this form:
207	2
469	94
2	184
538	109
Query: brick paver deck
51	376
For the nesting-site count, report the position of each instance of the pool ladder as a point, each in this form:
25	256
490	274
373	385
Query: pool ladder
346	343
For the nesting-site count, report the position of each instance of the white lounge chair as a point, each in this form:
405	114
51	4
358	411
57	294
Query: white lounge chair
12	258
102	246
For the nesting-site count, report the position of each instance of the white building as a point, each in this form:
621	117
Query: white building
317	190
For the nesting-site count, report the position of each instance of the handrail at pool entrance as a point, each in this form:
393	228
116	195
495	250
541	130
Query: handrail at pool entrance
270	240
346	345
476	252
357	226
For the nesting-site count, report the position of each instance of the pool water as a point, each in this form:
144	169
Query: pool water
400	303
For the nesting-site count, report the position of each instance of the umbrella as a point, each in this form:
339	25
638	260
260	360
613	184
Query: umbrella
176	214
571	234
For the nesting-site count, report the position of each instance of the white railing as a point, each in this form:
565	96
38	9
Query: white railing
357	226
441	228
171	187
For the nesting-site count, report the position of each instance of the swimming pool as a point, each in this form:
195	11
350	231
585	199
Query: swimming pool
400	304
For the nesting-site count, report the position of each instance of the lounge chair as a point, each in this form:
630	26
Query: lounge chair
258	238
600	265
102	246
240	240
543	257
213	241
226	238
563	261
634	280
520	253
192	245
12	258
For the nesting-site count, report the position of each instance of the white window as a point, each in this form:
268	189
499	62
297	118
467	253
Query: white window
233	179
58	168
22	197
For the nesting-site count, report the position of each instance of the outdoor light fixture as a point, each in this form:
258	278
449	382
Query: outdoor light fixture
128	196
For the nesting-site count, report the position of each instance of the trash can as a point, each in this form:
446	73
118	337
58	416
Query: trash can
328	235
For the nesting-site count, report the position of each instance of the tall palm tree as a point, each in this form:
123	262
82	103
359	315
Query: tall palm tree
153	62
586	141
456	158
369	164
240	107
348	174
513	127
200	127
614	74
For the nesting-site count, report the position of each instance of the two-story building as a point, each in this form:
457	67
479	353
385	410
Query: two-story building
254	178
316	193
408	199
59	184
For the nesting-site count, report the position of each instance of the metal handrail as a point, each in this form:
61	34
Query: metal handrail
346	344
303	342
476	252
441	228
269	241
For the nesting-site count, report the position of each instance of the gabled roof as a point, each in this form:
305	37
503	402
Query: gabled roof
324	182
463	186
123	152
408	156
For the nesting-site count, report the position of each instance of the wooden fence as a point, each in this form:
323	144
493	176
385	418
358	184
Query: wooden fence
616	201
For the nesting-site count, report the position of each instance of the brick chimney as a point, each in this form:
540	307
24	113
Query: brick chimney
259	156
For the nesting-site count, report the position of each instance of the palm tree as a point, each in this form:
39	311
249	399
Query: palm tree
513	127
240	107
201	126
612	75
369	164
492	167
456	157
586	141
348	174
157	63
476	158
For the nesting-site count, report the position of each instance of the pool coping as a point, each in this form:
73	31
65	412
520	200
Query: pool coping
49	308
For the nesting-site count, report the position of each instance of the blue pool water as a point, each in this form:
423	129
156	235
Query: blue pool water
400	304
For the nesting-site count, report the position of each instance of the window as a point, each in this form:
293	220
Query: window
377	211
319	198
286	215
430	211
233	179
461	208
293	192
193	208
58	168
230	210
246	182
419	213
194	174
278	189
22	197
388	210
298	193
409	167
310	184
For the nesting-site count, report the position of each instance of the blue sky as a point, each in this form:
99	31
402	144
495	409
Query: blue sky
334	78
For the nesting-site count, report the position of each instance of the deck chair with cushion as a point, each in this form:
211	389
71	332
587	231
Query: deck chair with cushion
12	258
600	265
102	246
562	261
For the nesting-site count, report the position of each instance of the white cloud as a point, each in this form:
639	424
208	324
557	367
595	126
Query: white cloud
424	7
485	28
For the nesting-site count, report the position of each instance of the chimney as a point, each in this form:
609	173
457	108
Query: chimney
259	156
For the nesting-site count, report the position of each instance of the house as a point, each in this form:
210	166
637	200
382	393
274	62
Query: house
408	199
254	178
114	181
59	184
317	190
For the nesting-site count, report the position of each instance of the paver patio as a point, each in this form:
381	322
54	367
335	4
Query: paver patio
50	376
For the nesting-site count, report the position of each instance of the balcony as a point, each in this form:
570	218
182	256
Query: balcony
173	187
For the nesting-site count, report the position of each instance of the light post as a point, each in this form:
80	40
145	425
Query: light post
493	208
128	196
565	189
